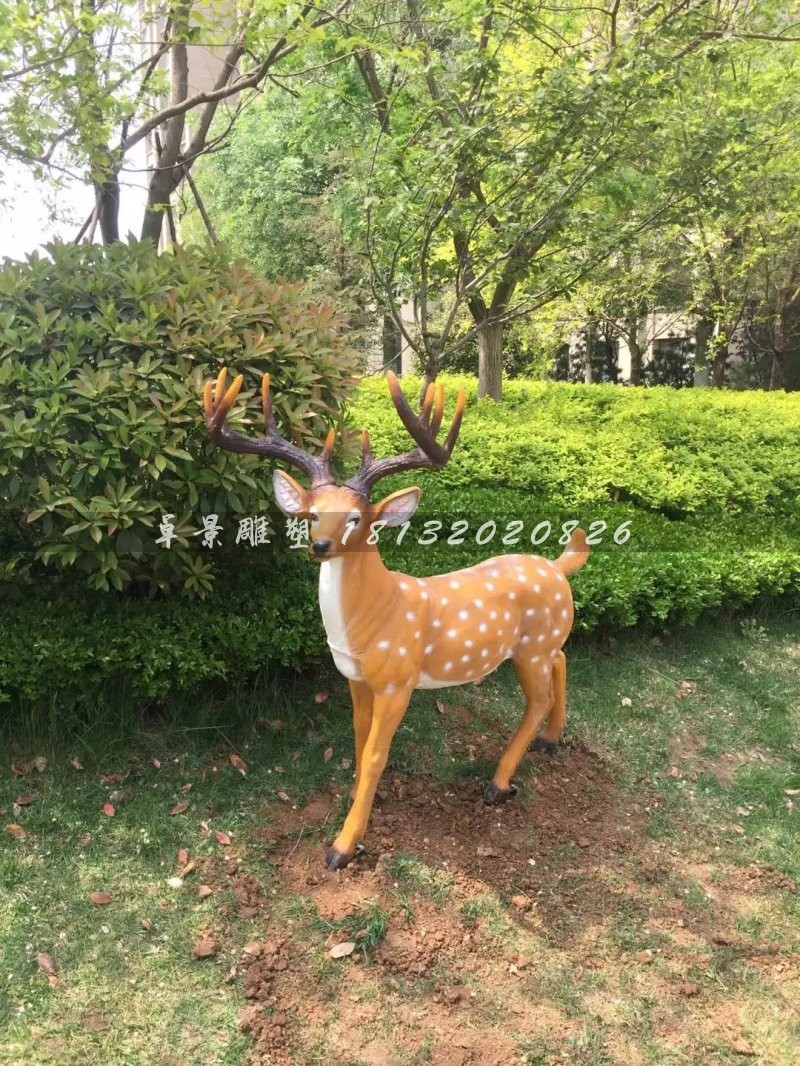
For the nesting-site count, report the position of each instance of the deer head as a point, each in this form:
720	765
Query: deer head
340	516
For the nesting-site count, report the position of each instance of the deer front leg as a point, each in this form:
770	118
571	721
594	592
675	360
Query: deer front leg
387	713
361	695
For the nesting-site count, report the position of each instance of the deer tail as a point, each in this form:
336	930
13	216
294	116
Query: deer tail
575	554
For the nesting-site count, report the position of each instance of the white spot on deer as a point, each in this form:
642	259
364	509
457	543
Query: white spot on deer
512	595
467	643
531	611
482	627
410	616
444	601
556	632
401	651
540	570
455	584
404	585
383	644
534	658
429	648
507	615
463	615
525	640
391	687
479	603
493	614
448	667
489	586
485	653
540	639
537	587
565	613
418	634
423	595
436	623
494	573
465	658
557	597
452	633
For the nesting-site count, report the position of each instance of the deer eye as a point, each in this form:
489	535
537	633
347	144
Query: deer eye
314	516
353	519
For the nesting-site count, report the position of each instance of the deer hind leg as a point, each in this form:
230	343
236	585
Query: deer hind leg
536	680
548	739
387	713
361	695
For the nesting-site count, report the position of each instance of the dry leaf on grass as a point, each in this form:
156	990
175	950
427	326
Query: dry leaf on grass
146	924
237	763
204	891
339	951
179	808
24	801
15	830
327	755
206	947
321	697
685	688
100	899
742	1047
109	810
46	963
94	1022
183	856
222	837
40	764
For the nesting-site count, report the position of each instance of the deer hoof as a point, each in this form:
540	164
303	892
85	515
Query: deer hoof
549	747
336	860
493	796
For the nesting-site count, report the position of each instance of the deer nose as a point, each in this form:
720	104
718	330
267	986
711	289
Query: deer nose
320	547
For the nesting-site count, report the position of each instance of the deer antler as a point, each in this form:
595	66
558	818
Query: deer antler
423	428
218	400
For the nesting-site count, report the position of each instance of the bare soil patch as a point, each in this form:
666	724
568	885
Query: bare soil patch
559	894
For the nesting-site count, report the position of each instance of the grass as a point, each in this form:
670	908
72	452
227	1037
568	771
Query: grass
713	765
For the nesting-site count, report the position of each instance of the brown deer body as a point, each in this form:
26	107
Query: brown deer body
391	633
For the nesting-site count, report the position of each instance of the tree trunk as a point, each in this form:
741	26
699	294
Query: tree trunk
702	335
106	197
720	364
588	364
637	355
637	360
392	342
490	359
162	186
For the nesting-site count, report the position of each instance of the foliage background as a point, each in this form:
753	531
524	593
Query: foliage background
709	481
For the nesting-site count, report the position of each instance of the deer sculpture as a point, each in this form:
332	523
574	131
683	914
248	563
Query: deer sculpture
391	633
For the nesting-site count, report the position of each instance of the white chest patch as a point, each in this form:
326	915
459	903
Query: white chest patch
330	604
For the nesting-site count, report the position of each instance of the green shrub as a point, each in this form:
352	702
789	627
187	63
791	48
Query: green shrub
67	656
709	483
714	524
672	452
103	353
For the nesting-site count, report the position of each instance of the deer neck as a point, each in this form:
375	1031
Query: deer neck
355	595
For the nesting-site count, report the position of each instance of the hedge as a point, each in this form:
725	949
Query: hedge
709	482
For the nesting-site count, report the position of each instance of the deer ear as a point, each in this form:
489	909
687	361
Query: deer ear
289	496
398	508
